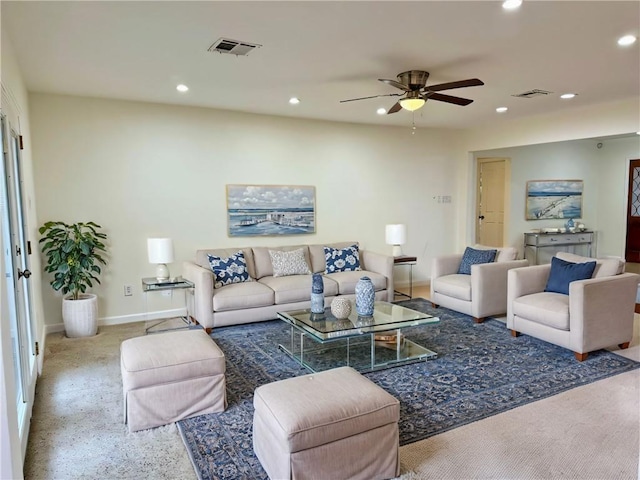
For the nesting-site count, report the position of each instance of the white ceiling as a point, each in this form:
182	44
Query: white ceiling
327	51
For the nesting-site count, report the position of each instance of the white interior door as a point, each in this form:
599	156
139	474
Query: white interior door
15	246
491	201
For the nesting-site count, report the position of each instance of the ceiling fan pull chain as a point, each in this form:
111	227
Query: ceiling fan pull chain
413	130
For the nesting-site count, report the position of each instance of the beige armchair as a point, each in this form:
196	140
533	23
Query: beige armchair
597	313
481	294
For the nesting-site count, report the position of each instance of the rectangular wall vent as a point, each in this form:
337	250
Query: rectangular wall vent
532	93
234	47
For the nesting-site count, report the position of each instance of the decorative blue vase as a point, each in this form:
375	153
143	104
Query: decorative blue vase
317	294
365	297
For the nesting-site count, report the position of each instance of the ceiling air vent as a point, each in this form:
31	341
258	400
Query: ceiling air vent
234	47
532	93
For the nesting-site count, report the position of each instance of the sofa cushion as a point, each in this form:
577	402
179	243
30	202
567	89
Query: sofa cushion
455	286
232	269
347	281
546	308
242	295
289	263
605	267
472	256
504	254
316	254
342	259
562	273
203	261
295	288
262	258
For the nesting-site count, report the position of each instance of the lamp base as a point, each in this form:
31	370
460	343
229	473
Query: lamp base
162	272
397	251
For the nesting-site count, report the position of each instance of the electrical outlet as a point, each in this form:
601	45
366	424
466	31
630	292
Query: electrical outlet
128	290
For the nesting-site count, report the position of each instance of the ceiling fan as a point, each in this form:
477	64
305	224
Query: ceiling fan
416	93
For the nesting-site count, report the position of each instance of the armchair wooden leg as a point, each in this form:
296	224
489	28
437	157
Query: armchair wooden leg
581	357
624	345
478	319
514	333
435	305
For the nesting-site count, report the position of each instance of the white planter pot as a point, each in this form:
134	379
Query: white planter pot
80	316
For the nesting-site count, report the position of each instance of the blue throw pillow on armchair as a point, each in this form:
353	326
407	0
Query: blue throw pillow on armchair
472	256
563	273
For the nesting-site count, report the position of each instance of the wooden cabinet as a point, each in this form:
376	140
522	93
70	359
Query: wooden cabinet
540	247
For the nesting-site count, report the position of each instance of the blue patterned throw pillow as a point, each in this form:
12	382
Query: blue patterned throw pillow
472	256
562	273
342	259
229	270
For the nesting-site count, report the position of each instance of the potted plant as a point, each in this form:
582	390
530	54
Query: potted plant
74	252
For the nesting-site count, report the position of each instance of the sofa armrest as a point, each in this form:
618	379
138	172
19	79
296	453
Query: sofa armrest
489	286
203	281
379	263
445	265
601	311
525	281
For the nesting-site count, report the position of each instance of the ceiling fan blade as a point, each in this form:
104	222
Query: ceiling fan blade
396	108
472	82
393	83
447	98
373	96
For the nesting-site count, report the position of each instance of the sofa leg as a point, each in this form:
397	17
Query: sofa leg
435	305
624	345
208	330
478	319
581	357
514	333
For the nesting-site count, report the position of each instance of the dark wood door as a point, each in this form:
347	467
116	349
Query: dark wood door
632	249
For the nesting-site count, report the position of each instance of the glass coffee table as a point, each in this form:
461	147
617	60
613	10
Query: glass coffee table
364	343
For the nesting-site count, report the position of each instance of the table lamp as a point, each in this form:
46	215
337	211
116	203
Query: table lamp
160	252
396	235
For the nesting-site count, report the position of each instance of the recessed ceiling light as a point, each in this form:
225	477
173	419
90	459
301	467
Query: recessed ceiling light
511	4
294	101
637	133
182	88
501	109
381	111
626	40
567	95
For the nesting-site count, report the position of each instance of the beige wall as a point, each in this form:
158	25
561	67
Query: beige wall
604	171
143	170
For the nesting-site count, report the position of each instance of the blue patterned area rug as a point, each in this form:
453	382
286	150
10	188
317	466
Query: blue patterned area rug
481	370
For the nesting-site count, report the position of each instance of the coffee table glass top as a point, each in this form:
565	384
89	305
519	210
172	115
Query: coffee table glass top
386	316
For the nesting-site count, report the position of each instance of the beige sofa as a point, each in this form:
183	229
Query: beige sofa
597	313
265	295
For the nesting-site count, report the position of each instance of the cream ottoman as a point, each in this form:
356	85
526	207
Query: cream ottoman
170	376
330	425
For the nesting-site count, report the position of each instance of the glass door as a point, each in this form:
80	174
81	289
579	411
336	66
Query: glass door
15	245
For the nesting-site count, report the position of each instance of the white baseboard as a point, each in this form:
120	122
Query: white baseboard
120	319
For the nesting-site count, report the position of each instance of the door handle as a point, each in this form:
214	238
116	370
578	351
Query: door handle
25	274
481	217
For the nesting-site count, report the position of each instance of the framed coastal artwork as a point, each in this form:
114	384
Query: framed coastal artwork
548	199
263	210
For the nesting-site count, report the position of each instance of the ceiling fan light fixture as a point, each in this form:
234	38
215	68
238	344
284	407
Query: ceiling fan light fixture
412	104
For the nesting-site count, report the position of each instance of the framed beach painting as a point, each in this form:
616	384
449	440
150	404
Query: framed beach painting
548	199
262	210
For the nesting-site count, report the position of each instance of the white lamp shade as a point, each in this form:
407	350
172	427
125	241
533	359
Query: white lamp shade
396	234
160	250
